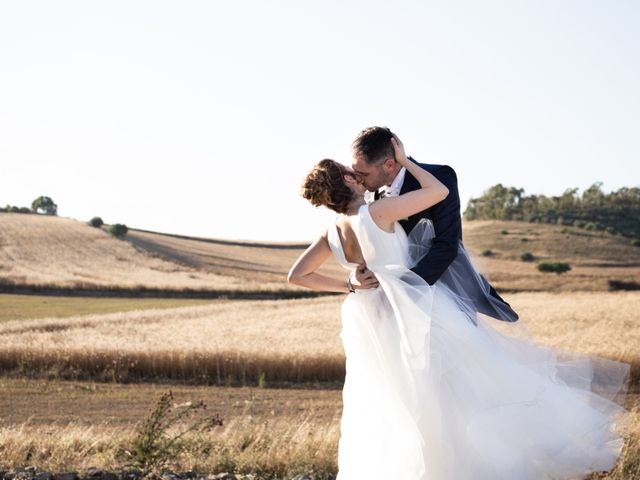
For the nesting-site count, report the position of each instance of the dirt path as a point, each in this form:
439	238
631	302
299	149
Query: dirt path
41	402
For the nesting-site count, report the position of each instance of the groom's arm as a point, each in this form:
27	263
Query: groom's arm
447	225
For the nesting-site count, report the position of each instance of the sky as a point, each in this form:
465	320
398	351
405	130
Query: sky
203	117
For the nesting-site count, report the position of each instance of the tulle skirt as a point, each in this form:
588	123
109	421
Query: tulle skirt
479	404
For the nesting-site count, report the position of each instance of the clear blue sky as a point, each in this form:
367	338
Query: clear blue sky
202	118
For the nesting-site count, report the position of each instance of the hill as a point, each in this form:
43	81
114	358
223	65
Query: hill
596	257
49	252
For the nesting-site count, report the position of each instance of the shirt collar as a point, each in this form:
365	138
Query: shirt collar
397	182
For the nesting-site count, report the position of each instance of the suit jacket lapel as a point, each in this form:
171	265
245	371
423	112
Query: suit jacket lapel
404	188
410	183
408	180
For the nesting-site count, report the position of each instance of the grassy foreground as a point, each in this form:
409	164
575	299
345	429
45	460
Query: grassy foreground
277	433
62	426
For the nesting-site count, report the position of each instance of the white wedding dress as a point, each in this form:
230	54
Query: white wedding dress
429	395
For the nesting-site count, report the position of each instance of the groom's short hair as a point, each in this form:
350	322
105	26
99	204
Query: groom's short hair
373	144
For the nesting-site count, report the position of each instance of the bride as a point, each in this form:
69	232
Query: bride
429	394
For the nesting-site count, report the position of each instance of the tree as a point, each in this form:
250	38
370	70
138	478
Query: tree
617	211
45	204
593	196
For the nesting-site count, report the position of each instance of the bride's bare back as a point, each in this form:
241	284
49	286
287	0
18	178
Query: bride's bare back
350	245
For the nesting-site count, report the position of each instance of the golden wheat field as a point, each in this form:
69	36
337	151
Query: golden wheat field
287	340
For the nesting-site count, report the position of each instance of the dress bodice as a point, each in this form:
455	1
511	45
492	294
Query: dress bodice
379	248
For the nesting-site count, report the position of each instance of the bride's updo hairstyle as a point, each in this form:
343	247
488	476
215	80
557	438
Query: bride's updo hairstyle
325	186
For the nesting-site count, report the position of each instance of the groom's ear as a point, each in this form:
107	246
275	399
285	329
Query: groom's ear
389	163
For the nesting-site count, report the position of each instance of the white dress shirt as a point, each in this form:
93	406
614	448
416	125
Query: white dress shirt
393	190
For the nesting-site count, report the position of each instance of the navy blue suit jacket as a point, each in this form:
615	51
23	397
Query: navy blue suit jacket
447	223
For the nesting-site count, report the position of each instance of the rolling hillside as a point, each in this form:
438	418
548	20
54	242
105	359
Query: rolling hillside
595	257
55	252
42	251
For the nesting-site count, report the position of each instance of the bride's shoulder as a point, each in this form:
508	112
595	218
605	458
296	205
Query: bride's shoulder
339	222
364	208
364	213
346	223
342	221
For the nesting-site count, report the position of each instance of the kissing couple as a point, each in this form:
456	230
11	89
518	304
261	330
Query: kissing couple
433	390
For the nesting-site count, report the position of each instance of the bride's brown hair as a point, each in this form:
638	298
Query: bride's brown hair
324	185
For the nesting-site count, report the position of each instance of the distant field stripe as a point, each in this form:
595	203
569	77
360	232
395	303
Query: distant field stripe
226	368
19	306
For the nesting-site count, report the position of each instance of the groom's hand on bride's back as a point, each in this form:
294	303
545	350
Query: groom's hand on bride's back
363	278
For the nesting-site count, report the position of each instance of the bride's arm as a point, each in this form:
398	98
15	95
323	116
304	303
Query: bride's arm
303	271
386	211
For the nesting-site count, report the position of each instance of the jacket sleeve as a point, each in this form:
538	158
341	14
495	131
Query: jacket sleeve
448	230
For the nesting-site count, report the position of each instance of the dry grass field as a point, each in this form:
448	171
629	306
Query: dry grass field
44	251
78	374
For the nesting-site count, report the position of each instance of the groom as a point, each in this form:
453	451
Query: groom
374	164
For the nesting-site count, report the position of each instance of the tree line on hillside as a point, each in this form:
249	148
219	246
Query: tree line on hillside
42	204
617	212
45	205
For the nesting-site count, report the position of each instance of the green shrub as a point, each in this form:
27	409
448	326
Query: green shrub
118	230
557	267
622	285
635	242
504	232
487	253
579	223
527	257
96	222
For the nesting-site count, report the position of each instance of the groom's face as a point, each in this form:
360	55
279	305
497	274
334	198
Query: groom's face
374	175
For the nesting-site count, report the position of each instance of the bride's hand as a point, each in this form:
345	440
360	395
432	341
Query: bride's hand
398	150
364	278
